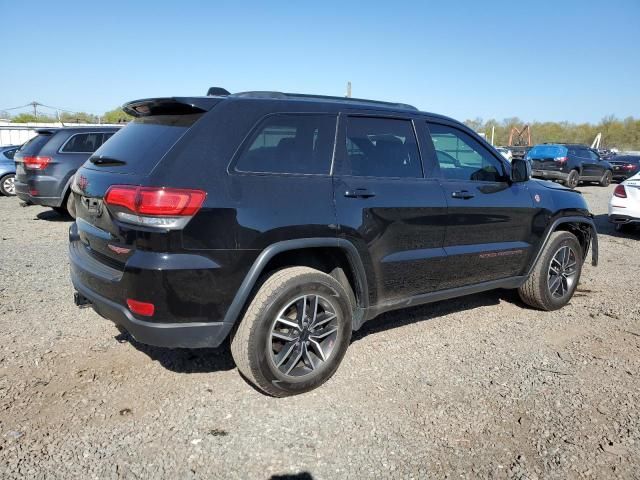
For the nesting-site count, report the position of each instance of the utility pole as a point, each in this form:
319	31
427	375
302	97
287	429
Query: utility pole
348	89
35	109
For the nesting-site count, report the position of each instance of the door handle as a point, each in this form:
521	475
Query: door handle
359	193
463	194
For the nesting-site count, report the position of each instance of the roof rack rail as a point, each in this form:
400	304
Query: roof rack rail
302	96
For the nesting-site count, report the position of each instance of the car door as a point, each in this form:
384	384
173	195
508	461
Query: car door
489	219
598	165
589	169
386	208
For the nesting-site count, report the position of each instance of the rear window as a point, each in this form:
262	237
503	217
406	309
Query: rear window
137	148
547	151
290	143
33	146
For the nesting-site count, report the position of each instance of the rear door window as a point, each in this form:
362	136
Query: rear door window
381	147
82	143
290	143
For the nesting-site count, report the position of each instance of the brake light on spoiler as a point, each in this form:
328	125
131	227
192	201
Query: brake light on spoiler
160	207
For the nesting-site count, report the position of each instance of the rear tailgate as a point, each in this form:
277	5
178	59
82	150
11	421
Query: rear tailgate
128	158
547	157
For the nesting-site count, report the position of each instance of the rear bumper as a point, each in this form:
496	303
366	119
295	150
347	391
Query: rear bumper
191	294
623	219
550	174
47	192
172	335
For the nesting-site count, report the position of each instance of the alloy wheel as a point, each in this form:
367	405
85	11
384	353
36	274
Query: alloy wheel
303	335
563	270
9	186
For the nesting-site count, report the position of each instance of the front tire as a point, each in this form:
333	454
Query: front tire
294	333
556	274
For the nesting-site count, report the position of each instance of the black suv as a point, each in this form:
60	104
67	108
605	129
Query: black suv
569	163
45	164
287	221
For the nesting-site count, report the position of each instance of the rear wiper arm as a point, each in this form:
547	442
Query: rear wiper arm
106	161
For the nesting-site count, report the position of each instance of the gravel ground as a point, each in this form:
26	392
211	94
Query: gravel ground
475	387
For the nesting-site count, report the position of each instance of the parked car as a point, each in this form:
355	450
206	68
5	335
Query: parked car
7	169
569	164
624	166
624	205
505	152
286	221
46	164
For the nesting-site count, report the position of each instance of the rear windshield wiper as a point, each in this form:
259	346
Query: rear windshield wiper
106	161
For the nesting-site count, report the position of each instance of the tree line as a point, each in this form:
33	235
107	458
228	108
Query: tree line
116	115
622	134
616	133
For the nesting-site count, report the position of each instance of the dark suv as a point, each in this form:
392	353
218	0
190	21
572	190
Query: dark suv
570	164
287	221
47	162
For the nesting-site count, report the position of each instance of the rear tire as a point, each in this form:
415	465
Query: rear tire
286	358
7	185
542	290
605	181
573	179
68	207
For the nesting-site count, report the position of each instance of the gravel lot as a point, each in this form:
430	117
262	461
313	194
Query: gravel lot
476	387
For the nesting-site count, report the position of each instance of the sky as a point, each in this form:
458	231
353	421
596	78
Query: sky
537	60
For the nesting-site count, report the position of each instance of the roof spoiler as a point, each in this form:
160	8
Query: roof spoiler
147	107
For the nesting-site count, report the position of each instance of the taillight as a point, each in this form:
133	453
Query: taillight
154	206
620	192
36	163
141	308
561	159
630	166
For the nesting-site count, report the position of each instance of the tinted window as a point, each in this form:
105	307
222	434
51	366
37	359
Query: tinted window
289	143
33	146
107	136
10	153
83	143
381	147
140	145
547	151
462	157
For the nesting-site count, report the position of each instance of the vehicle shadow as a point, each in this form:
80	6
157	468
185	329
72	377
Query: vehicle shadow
292	476
605	227
53	216
209	360
184	360
434	310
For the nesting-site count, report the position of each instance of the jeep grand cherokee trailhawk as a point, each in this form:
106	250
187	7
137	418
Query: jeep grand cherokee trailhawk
286	221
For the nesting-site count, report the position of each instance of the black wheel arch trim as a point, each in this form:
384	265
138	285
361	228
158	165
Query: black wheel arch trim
242	296
570	219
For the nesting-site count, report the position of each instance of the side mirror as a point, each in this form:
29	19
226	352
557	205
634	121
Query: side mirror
520	170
